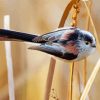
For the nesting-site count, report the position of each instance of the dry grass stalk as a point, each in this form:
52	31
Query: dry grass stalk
50	78
91	80
85	60
70	81
84	71
9	61
96	68
76	82
93	26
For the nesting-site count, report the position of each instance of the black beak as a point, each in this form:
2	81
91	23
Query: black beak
94	45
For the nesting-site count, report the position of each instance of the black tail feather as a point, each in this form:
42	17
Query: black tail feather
16	35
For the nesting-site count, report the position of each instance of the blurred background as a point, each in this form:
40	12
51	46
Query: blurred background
30	68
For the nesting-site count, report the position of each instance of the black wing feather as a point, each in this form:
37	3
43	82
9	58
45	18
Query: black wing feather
48	49
55	51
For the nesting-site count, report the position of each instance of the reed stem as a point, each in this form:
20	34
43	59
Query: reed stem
50	78
70	81
90	81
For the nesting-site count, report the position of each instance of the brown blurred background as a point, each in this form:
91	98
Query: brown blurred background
30	68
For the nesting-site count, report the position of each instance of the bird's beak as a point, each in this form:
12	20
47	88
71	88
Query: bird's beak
93	45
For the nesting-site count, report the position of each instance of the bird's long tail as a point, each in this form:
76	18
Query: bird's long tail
6	35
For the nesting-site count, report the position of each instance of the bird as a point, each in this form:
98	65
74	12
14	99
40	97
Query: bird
67	43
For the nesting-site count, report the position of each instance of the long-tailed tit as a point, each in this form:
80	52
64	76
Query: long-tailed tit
69	43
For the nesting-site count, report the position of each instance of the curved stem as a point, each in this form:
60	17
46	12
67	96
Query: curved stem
66	12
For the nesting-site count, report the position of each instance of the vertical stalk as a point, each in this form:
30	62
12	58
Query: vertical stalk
9	61
50	78
85	60
84	71
70	81
76	82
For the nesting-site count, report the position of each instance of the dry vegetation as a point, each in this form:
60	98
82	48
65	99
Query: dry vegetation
32	72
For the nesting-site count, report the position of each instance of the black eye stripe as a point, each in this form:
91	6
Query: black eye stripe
88	38
81	36
77	35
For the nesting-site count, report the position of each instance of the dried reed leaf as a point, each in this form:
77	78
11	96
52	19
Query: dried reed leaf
91	80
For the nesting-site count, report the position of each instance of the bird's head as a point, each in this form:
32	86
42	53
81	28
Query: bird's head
86	43
81	42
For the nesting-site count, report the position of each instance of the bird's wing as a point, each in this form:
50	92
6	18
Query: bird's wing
53	50
55	35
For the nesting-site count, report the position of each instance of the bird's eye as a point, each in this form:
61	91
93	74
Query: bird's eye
87	42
